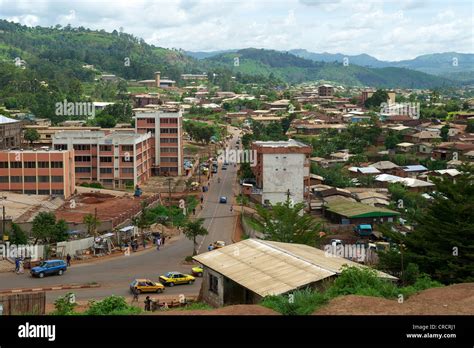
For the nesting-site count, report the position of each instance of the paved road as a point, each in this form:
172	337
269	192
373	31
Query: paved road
115	274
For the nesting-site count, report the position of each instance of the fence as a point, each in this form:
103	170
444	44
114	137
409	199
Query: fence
24	304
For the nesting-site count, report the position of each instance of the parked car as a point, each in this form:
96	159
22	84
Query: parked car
224	167
146	285
223	200
218	244
363	230
173	278
49	267
197	271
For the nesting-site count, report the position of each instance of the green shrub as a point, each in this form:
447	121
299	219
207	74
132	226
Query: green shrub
300	302
112	305
64	305
422	283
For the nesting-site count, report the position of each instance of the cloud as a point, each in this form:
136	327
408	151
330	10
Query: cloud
387	30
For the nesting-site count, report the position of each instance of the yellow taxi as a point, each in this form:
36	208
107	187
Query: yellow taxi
197	271
146	285
174	278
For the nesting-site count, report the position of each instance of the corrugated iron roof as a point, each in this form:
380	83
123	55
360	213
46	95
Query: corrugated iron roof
272	268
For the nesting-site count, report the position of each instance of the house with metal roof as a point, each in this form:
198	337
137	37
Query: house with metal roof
247	271
346	212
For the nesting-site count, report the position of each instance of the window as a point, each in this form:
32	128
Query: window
43	164
60	147
43	192
56	164
105	147
57	178
169	149
3	164
43	178
127	159
81	147
105	170
127	170
82	158
4	179
169	159
82	169
168	140
106	159
15	179
127	147
15	164
150	120
213	284
57	192
30	178
169	130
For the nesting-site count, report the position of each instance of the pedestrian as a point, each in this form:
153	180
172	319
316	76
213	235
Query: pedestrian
68	260
231	208
163	238
144	242
194	211
210	247
135	295
158	243
202	199
21	268
147	304
17	264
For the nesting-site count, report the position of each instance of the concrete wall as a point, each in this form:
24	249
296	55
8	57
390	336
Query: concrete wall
71	246
280	173
215	300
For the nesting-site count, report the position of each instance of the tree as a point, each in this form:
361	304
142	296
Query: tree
379	97
47	230
105	121
92	223
192	229
17	235
441	243
444	132
144	220
31	135
470	126
286	222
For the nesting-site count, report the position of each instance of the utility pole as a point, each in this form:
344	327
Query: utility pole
288	194
169	180
95	220
3	222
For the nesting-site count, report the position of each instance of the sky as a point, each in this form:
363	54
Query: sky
387	30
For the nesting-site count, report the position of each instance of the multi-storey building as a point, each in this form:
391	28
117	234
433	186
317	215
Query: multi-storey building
116	160
282	168
37	172
10	133
166	129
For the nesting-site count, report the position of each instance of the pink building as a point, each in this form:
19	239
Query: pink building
37	172
166	130
114	159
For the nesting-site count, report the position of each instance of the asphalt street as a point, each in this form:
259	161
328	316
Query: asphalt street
115	274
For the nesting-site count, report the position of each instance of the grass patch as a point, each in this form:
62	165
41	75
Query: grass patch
195	306
352	281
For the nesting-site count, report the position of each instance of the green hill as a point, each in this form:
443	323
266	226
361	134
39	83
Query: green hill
296	69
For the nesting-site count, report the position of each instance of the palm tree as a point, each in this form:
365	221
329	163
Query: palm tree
194	228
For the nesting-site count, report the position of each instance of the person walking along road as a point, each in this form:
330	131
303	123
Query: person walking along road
158	243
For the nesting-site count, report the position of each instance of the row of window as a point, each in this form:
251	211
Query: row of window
169	140
44	192
168	149
168	130
81	147
169	159
31	164
30	179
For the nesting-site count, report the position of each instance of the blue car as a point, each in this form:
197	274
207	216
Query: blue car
49	267
223	199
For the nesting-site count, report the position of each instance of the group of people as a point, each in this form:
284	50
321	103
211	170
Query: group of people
159	240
